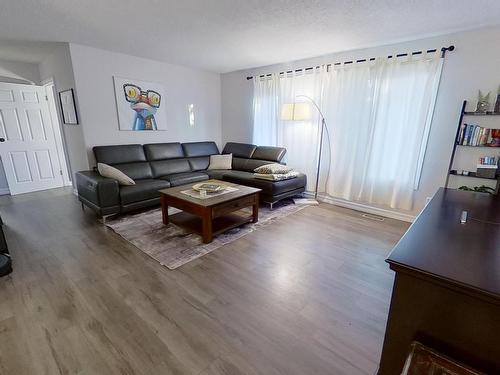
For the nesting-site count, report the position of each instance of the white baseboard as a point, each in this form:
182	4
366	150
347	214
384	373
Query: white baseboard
6	191
364	208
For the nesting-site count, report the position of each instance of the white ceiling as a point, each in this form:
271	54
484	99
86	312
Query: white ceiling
227	35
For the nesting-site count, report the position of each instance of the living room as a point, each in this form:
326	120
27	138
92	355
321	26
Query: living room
221	193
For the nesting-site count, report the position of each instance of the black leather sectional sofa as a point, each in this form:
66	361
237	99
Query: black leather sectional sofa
158	166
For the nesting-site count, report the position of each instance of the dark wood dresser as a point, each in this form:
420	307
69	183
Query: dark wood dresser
446	292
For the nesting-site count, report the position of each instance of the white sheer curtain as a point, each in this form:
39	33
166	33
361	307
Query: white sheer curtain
378	114
266	110
300	138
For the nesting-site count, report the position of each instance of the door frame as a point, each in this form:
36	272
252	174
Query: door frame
58	130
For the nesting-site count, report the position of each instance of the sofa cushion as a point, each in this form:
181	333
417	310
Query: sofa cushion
268	187
240	150
238	163
269	153
159	151
236	174
114	173
194	149
199	164
142	190
119	154
248	165
136	171
165	167
216	174
178	179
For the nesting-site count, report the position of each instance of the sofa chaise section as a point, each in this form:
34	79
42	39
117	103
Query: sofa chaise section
246	158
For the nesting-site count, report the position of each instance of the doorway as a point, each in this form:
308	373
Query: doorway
31	145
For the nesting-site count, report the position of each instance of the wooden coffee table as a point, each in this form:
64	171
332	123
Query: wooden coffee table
213	215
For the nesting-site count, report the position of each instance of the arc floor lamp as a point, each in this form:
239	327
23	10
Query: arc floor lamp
301	111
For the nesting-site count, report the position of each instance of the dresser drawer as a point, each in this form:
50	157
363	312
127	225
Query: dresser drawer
234	205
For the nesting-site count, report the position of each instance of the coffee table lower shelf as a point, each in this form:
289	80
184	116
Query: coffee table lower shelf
220	224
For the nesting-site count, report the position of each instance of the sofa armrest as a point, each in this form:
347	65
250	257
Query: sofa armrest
100	191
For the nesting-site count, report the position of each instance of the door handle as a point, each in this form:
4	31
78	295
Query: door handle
2	139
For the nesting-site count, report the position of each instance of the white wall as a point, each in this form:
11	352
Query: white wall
19	72
94	70
58	66
475	64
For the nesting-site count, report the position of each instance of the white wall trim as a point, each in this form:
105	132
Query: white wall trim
4	191
364	208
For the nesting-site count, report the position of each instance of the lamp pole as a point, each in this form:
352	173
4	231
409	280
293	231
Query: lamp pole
323	127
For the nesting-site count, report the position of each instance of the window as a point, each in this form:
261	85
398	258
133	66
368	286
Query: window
378	114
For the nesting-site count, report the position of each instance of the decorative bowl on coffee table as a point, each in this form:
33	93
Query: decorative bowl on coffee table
209	187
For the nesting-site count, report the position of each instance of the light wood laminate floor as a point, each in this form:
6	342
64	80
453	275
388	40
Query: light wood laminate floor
308	294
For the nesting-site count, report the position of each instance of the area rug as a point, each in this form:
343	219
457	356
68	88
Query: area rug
173	246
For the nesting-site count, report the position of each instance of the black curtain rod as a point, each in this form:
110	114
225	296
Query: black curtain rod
443	53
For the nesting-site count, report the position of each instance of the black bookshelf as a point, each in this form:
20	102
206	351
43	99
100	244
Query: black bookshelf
453	172
492	148
481	113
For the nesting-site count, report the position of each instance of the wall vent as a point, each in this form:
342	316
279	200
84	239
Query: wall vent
373	217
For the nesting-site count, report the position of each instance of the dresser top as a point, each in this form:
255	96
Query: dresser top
439	246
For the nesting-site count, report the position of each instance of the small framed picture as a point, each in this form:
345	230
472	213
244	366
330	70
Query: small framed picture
68	108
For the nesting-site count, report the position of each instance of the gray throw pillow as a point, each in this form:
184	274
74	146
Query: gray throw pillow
224	161
273	168
111	172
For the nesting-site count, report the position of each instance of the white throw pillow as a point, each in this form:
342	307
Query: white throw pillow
273	168
221	161
111	172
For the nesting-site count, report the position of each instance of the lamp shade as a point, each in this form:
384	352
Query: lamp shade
296	112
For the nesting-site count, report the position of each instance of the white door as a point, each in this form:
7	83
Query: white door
27	143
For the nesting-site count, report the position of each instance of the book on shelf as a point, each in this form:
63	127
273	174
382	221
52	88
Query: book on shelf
474	135
461	134
488	160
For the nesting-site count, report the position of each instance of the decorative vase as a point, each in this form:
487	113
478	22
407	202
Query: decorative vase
483	102
497	103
